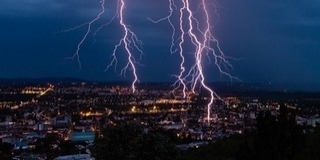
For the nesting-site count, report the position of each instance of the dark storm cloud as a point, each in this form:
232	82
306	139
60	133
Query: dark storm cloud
50	8
279	41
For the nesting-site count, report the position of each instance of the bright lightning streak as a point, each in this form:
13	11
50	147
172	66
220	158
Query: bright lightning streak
180	80
199	63
76	55
129	41
198	32
202	47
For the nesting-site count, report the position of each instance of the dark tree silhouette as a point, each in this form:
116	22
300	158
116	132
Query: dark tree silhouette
130	142
278	138
5	150
153	146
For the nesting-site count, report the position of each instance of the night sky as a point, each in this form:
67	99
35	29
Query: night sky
277	41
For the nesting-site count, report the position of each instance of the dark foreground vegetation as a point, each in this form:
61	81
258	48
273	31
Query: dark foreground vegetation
131	142
277	138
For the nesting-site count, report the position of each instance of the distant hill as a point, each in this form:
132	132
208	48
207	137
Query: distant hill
274	87
219	87
40	80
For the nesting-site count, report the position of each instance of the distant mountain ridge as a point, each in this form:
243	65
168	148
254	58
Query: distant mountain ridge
217	86
41	80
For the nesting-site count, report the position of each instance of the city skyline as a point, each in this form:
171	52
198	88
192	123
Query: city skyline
275	41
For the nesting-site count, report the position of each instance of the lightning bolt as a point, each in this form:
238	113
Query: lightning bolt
180	79
130	42
206	46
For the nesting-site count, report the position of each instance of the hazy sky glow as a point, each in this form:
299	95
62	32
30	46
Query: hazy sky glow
278	41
